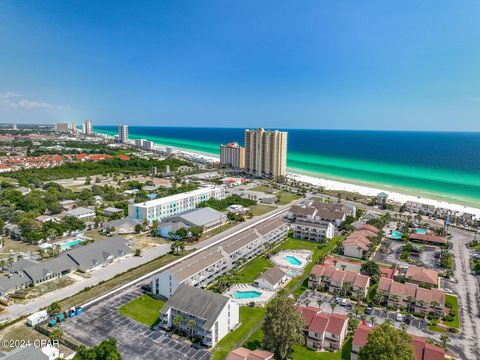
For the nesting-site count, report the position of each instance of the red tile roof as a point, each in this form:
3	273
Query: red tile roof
423	275
428	238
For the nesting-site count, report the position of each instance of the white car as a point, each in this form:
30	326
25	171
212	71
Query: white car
399	317
344	302
448	290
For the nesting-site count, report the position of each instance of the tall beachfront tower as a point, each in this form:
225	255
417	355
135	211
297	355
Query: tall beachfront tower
88	127
232	155
123	133
266	152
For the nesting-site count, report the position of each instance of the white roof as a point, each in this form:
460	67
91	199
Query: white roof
177	197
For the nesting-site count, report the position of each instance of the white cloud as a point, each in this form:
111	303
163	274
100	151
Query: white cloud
15	100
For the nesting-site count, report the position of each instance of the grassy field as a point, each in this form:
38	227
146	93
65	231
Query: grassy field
286	197
106	286
253	269
15	246
265	189
260	209
144	309
302	353
249	316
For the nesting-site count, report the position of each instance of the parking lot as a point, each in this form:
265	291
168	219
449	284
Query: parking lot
135	341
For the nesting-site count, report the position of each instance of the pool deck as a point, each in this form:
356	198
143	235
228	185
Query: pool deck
265	295
304	256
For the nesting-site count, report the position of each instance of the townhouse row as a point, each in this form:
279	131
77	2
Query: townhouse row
205	267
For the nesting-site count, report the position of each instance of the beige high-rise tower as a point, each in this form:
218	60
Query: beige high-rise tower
266	152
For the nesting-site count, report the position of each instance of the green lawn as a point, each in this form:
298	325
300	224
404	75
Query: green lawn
260	209
252	270
302	353
265	189
437	329
453	301
286	197
249	316
144	309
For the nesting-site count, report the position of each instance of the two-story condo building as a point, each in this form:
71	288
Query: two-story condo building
411	297
159	209
339	281
203	268
200	313
323	331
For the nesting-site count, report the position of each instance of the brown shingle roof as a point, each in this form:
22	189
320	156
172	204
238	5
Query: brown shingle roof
423	275
428	238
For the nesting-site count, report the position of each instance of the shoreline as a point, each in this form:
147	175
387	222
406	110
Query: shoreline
329	184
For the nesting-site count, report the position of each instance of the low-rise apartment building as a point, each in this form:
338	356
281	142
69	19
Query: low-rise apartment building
323	331
423	350
343	282
205	267
358	243
200	313
422	276
428	239
411	297
159	209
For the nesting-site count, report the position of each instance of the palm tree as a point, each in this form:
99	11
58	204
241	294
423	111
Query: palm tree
177	320
343	266
373	319
307	302
444	339
333	305
403	326
191	325
319	302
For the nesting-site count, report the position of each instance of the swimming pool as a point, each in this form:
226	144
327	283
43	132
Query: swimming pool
421	231
293	260
246	294
395	234
70	244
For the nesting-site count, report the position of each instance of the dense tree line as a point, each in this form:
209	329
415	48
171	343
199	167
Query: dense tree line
222	205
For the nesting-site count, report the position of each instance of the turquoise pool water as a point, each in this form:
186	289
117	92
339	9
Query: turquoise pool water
293	260
421	231
395	234
246	294
70	244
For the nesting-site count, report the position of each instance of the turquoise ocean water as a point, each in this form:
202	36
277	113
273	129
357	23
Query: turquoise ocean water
444	166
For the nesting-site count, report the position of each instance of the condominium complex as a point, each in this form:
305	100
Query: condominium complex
266	152
213	315
88	127
232	155
176	204
63	127
123	133
139	143
203	268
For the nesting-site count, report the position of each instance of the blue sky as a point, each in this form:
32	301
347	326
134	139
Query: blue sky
407	65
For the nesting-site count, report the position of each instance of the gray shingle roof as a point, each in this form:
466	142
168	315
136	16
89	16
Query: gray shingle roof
98	253
273	275
79	211
24	353
13	282
21	264
123	222
56	265
201	303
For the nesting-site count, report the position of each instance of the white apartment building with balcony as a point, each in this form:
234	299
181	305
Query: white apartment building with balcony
159	209
205	267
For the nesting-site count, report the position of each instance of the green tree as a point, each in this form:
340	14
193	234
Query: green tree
333	306
56	334
387	342
444	339
283	327
138	228
54	308
370	268
191	325
177	320
106	350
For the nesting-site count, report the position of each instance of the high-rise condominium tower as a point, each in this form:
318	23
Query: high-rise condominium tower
123	133
266	152
232	155
87	127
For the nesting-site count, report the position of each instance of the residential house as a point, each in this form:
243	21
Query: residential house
121	226
81	213
202	313
242	353
422	276
205	267
423	350
67	204
272	279
411	297
109	211
323	331
335	281
428	239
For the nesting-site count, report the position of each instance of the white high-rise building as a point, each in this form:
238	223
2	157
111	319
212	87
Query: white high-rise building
266	152
88	127
147	145
123	133
232	155
139	142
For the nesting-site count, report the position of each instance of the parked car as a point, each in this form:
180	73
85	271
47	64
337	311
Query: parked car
338	300
399	317
408	319
368	309
448	290
344	302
